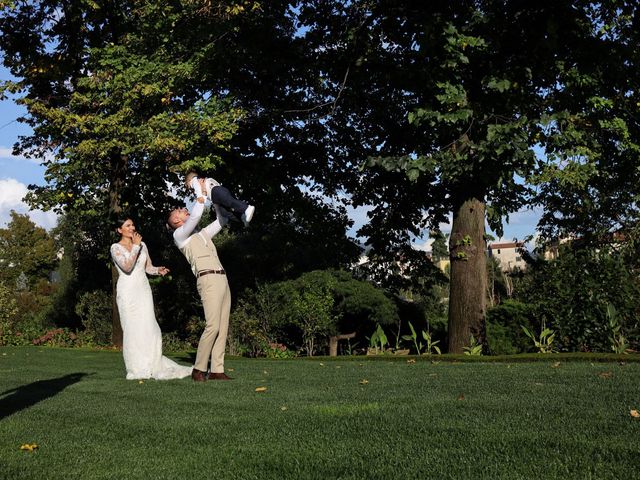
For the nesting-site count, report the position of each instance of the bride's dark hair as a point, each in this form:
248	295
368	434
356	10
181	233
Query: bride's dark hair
118	220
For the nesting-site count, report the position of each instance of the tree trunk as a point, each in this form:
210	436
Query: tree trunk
468	283
333	342
118	168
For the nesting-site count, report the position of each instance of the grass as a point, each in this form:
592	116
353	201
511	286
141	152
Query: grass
345	418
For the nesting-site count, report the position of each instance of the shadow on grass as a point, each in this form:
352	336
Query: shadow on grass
20	398
187	357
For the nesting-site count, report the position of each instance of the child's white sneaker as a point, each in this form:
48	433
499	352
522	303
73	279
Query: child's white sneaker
248	215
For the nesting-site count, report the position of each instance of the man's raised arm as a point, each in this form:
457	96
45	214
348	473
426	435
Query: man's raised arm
214	227
183	232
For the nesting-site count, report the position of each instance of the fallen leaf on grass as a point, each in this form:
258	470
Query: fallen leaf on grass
433	374
555	365
321	364
338	366
635	413
265	372
364	381
230	369
29	447
411	360
283	408
461	396
607	374
141	382
261	389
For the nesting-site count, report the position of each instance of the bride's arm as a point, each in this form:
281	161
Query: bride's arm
149	267
124	259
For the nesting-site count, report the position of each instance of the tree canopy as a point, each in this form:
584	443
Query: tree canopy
420	110
443	107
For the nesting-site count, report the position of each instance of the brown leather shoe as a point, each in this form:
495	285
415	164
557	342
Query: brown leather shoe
219	376
198	375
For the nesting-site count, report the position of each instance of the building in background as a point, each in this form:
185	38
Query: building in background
508	254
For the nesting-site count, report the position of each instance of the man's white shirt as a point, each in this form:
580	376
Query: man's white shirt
182	234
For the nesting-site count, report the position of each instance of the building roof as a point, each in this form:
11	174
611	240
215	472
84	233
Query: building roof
506	245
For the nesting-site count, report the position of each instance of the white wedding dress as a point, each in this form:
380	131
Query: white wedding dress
142	339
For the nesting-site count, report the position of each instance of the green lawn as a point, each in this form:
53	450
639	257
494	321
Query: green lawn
345	418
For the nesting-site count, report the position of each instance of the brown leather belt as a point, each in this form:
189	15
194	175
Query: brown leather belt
208	272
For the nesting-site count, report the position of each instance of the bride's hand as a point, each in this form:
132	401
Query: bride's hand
137	238
163	271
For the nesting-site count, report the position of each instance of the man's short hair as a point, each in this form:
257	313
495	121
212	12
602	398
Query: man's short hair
169	223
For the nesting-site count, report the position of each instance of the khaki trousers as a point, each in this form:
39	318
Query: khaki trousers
216	300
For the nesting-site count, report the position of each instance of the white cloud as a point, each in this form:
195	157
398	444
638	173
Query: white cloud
11	194
424	246
7	153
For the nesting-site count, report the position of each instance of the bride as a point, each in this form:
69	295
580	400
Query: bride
142	339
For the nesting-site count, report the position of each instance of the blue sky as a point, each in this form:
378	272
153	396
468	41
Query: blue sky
16	173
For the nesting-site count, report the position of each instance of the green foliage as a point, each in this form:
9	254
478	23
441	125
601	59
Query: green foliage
25	250
301	313
278	350
439	249
8	309
94	310
499	340
504	332
256	320
311	312
474	347
171	342
28	256
378	341
429	347
616	336
573	293
468	94
545	341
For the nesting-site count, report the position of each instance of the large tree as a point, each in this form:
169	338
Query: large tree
444	103
123	95
115	102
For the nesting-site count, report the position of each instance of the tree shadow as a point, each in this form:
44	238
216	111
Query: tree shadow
20	398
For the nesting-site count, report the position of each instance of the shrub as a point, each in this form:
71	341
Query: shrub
94	310
58	337
504	327
258	320
278	350
302	313
311	312
171	342
499	339
574	292
8	309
